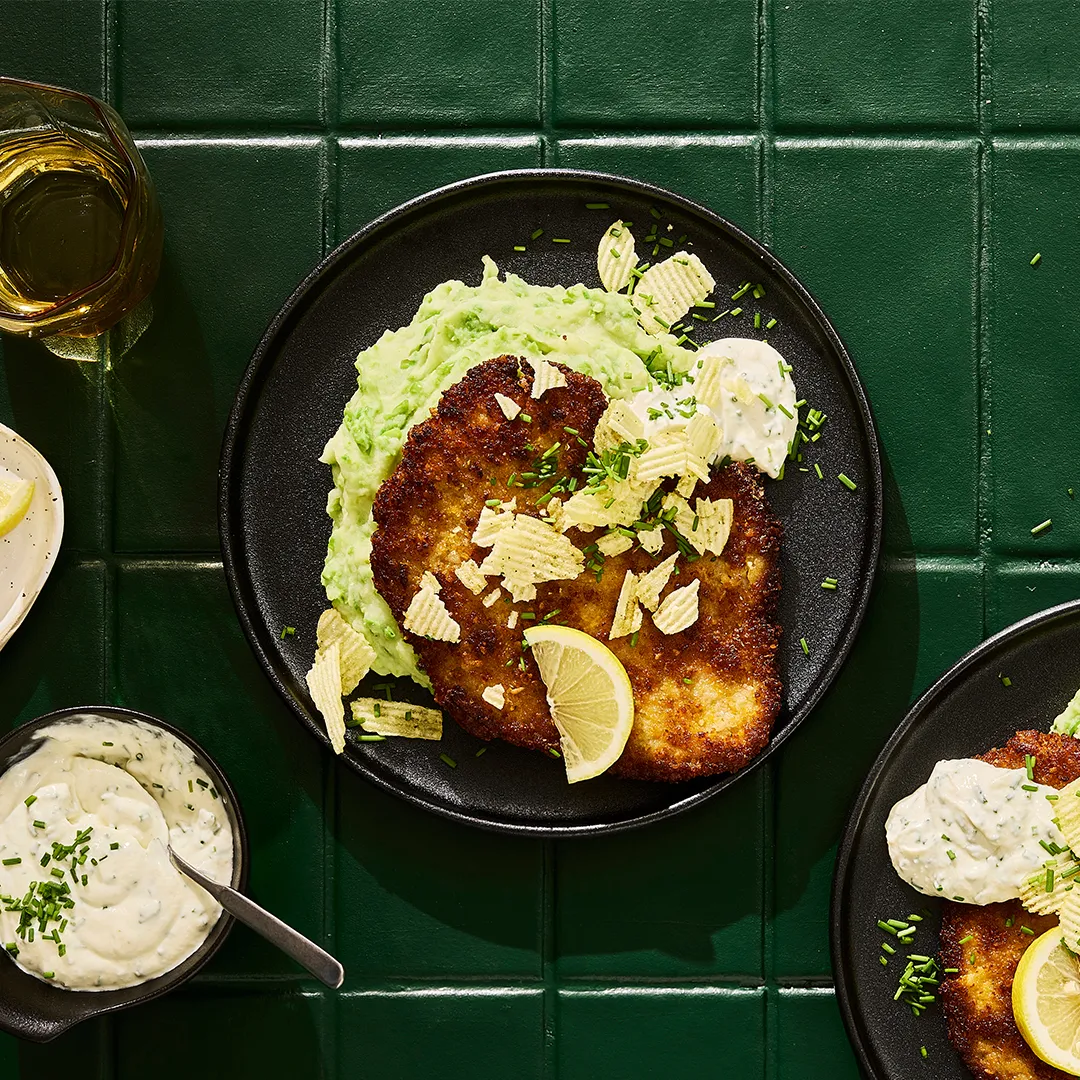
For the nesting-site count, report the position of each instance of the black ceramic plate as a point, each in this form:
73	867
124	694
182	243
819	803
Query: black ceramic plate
966	712
274	526
37	1011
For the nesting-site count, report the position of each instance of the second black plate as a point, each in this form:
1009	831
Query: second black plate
273	489
965	713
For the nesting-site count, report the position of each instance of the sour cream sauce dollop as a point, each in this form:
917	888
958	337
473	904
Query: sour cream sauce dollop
972	832
137	789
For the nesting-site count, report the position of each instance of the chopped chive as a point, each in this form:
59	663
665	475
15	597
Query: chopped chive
805	647
536	234
39	825
371	738
1042	527
965	940
287	631
847	482
449	760
1027	930
1028	787
770	324
519	247
30	800
597	206
559	240
12	862
1036	259
817	469
1005	680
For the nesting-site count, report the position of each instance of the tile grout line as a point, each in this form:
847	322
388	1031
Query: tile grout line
546	80
548	957
981	299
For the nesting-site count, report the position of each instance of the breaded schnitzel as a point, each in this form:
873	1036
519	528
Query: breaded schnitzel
706	698
978	1001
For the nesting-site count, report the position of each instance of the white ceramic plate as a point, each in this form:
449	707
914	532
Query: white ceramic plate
28	552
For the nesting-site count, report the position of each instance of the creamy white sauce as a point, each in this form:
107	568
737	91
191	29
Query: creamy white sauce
752	423
138	789
985	818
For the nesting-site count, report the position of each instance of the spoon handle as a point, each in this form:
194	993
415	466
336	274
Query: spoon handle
306	953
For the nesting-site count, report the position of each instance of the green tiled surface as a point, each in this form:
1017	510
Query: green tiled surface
906	161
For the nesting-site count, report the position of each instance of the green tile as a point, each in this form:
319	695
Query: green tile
679	899
243	226
916	626
57	656
180	655
57	405
1015	590
70	54
377	174
883	233
459	1034
1034	79
860	64
811	1041
645	1033
419	897
621	63
719	171
84	1048
219	1033
438	64
189	63
1034	384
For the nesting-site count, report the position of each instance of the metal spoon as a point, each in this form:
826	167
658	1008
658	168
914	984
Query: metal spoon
306	953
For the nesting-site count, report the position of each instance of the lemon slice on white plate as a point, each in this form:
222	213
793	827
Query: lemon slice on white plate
31	527
1046	1001
589	694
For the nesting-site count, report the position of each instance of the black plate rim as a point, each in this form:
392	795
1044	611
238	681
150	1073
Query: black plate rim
231	534
170	980
922	708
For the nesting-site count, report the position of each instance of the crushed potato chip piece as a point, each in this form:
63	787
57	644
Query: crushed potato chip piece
468	573
556	515
613	543
510	408
1067	812
397	718
670	454
707	526
619	503
495	695
669	289
627	613
652	540
531	552
619	424
545	377
324	685
703	437
685	486
356	652
427	616
707	381
492	522
1033	894
615	257
678	610
429	580
652	584
492	596
1069	916
512	621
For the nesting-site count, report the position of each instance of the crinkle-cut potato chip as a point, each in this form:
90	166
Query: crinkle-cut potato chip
510	408
613	543
556	515
399	718
545	377
652	540
1033	894
429	581
427	616
707	388
492	522
495	695
512	621
468	573
356	653
531	552
715	517
669	289
651	585
627	613
619	424
616	257
670	454
492	596
324	685
678	610
1067	813
1069	916
592	507
703	437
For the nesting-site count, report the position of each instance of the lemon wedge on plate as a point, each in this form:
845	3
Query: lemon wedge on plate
1046	1001
589	694
16	494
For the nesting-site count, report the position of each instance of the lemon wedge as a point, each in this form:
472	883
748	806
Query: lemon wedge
1046	1001
15	497
589	694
